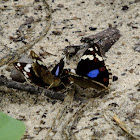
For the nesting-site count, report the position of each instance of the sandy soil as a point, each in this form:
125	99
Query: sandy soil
48	119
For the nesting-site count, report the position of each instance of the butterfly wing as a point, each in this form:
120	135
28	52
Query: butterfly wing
27	70
41	70
92	66
58	69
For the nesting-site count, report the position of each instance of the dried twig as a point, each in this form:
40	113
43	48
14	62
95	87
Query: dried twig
123	126
104	39
31	88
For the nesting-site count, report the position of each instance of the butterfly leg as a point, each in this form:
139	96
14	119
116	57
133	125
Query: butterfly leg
63	85
50	86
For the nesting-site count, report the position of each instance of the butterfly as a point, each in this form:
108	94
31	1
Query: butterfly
91	70
39	74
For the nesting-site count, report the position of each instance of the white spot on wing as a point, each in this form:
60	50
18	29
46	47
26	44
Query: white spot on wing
90	49
25	74
18	64
27	67
73	71
90	57
96	48
99	57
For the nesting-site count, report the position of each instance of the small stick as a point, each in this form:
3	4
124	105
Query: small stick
104	39
30	88
122	126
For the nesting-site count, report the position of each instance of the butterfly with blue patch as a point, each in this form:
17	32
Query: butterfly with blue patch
39	74
91	71
93	67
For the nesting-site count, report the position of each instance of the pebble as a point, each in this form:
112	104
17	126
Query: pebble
119	53
92	28
125	7
137	48
17	76
56	32
60	5
115	78
123	74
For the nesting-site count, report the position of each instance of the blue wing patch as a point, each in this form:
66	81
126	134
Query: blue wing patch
93	73
57	71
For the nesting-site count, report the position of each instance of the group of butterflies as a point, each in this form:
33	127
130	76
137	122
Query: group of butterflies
91	71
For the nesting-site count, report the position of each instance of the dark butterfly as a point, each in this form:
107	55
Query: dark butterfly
39	74
91	70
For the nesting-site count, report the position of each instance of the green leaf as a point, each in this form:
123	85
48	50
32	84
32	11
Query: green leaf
10	128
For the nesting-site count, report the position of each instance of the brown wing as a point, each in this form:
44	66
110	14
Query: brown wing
40	69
